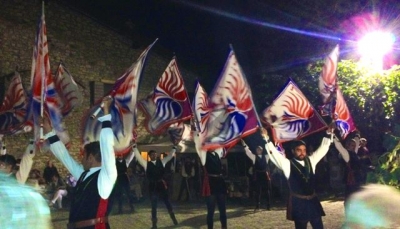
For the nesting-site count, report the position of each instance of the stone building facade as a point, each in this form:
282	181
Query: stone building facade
93	53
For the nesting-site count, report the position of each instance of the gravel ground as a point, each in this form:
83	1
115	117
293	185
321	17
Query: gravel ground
193	215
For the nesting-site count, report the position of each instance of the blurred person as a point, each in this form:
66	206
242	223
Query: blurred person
187	172
373	206
8	164
303	203
155	171
59	188
49	172
21	206
97	174
260	174
36	181
214	187
122	184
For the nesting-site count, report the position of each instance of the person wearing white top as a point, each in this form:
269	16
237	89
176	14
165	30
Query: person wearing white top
155	170
303	203
97	174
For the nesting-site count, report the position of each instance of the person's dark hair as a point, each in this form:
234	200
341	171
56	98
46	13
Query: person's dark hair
298	143
8	159
152	151
93	148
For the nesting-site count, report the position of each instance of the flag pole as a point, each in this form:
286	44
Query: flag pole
43	71
247	83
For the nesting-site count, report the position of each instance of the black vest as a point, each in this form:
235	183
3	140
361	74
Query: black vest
260	164
301	179
213	164
86	200
155	172
121	166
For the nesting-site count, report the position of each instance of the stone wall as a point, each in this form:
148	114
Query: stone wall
91	52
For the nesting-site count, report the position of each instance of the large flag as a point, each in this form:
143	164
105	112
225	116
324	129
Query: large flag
233	115
328	83
291	115
14	109
342	117
168	103
45	100
69	94
123	109
201	110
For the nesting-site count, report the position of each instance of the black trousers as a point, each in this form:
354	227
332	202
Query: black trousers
315	223
163	194
121	187
185	186
260	188
220	200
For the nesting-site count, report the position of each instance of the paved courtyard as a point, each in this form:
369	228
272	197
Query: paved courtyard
193	215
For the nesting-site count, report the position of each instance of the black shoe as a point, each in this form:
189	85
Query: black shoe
154	222
172	215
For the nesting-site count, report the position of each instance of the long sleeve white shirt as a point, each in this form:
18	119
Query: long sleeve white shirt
202	153
143	162
26	164
253	156
284	164
343	152
108	170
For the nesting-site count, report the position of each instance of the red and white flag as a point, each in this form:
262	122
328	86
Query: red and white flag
232	115
14	109
328	83
168	103
291	115
344	121
123	109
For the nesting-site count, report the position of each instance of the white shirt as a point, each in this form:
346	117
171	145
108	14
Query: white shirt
284	164
203	153
253	156
108	170
26	164
143	162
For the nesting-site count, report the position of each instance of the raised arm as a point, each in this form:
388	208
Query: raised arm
320	152
202	153
248	152
277	158
169	156
26	164
139	157
108	172
60	152
343	152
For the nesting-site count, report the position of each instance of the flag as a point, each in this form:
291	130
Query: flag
69	94
201	110
44	101
328	82
123	109
232	115
291	115
168	103
14	109
179	131
342	117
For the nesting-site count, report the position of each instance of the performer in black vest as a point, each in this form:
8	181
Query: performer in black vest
155	170
97	174
261	175
214	187
303	204
122	185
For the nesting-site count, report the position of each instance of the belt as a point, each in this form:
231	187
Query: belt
87	223
303	196
215	175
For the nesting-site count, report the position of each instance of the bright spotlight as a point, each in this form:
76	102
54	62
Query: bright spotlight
376	43
373	46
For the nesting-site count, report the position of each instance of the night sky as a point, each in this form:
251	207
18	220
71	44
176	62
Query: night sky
200	34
